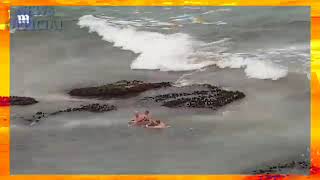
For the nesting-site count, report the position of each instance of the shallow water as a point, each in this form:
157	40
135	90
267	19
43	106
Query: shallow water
266	126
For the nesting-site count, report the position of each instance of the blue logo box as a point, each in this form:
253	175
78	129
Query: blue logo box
34	18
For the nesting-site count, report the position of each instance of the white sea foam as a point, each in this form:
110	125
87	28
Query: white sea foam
156	50
217	10
190	7
177	52
254	68
215	23
184	17
144	22
296	58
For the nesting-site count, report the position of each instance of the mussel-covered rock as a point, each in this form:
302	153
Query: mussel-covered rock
90	108
197	96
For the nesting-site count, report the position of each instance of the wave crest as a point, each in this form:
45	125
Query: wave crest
176	52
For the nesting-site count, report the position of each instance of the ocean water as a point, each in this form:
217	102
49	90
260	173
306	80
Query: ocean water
262	51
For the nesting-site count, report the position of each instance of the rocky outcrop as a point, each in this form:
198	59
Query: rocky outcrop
197	96
118	89
17	100
90	108
283	167
194	96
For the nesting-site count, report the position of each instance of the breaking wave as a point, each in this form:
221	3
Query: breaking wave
177	52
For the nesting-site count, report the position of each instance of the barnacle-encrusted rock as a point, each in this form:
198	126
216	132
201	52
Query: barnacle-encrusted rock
90	108
197	96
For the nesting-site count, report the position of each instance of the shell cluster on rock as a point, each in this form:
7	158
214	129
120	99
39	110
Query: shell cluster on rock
212	98
90	107
38	116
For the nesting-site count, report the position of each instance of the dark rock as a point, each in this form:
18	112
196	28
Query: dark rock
277	168
90	107
38	116
207	97
17	100
118	89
